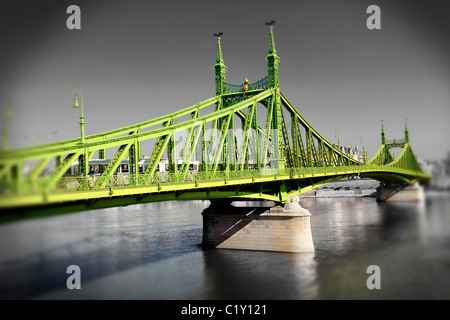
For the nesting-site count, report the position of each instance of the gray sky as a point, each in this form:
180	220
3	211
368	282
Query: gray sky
137	60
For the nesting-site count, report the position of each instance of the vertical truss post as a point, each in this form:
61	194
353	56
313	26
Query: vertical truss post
138	147
288	155
202	149
17	176
278	127
86	162
230	147
171	152
209	144
332	160
83	164
133	161
257	154
102	154
308	147
58	160
206	150
295	144
266	135
321	154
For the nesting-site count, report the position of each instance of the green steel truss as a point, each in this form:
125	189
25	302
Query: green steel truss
246	142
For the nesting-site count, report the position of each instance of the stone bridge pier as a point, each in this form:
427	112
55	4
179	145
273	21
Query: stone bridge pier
248	225
413	193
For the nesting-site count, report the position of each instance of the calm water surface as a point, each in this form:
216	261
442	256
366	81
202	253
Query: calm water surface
152	251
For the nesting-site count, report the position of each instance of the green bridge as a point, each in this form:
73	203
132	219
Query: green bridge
246	142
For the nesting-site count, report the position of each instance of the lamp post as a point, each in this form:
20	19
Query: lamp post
77	93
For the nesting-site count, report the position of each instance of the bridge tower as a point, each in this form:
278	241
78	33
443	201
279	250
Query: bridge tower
220	70
393	191
231	93
274	82
256	225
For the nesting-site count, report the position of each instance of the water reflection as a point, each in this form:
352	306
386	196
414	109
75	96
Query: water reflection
240	274
340	225
400	238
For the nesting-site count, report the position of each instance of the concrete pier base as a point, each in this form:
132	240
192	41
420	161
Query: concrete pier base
413	193
285	229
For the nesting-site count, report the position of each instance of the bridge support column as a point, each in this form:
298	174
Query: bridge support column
285	229
413	193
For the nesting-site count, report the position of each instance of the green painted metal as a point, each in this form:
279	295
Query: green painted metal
79	95
220	69
283	157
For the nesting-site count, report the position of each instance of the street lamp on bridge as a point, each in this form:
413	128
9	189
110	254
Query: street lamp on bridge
77	93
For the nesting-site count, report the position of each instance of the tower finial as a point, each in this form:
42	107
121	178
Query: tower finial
220	68
383	138
272	49
219	49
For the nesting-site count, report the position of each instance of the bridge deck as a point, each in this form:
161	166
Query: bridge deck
164	186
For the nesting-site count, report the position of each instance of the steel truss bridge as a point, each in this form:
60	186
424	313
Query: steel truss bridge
248	140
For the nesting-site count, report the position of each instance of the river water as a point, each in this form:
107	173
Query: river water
152	251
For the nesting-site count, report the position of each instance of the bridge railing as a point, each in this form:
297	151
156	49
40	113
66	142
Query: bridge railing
197	177
259	84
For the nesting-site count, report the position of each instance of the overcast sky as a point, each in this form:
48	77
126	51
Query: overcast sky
136	60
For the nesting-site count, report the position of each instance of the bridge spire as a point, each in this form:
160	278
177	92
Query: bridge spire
383	137
272	49
272	59
220	68
276	110
406	131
